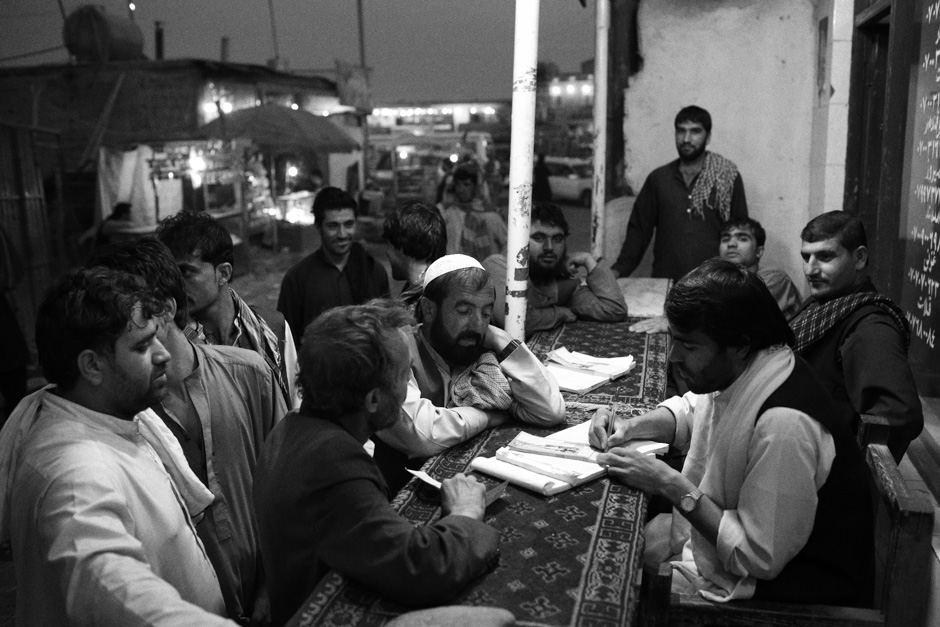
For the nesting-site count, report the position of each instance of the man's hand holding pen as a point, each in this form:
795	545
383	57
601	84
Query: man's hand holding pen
607	429
608	432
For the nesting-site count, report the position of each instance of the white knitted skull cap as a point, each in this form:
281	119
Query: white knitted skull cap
447	264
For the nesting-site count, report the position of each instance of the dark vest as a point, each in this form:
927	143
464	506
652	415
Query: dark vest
836	567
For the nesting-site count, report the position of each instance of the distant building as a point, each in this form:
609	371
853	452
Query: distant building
430	116
119	103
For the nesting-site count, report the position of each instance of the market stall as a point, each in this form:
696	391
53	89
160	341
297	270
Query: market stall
152	181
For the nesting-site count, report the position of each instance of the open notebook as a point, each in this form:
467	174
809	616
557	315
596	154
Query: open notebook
545	472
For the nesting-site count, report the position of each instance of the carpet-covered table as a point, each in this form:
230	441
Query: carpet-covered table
570	559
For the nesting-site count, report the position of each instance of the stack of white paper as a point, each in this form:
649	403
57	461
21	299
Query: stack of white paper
581	373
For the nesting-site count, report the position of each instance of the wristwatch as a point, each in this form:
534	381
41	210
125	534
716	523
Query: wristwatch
508	350
689	501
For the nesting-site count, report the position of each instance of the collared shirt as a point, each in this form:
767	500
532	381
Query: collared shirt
100	534
236	402
315	285
289	370
431	426
683	239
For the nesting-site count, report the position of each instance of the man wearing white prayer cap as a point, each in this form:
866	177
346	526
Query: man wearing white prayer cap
466	374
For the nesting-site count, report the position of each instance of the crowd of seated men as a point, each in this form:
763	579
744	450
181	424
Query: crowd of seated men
197	460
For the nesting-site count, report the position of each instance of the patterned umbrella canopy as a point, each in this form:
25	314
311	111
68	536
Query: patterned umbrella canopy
281	129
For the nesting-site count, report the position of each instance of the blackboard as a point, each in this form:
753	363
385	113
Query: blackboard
920	236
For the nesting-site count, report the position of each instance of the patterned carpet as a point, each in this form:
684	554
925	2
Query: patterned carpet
569	559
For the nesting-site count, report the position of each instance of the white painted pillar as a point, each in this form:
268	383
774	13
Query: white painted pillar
525	59
598	205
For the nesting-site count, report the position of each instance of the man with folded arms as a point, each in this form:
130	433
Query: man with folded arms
772	502
556	292
322	503
466	374
95	493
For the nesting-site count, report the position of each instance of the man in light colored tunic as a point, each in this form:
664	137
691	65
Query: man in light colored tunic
221	404
95	496
772	502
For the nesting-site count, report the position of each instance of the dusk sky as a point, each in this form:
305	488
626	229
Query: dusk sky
417	49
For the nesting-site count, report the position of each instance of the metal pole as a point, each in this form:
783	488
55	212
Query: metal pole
277	53
525	58
362	36
599	198
363	115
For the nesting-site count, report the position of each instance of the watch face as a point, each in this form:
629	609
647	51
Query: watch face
687	503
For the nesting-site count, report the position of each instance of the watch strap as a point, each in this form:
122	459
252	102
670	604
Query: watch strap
508	350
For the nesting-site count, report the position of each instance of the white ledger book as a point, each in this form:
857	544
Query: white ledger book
546	472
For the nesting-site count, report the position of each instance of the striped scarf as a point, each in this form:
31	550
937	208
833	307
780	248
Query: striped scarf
717	174
815	320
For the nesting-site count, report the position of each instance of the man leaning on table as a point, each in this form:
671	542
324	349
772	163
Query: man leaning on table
322	503
466	374
556	291
772	502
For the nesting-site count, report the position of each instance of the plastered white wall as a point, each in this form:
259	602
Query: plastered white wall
752	64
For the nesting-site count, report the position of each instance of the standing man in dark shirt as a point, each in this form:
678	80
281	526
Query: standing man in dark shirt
340	272
855	338
685	202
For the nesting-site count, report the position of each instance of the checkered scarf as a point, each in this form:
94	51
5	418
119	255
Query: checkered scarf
719	174
815	320
483	385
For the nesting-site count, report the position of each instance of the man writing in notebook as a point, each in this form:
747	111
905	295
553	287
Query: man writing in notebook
772	501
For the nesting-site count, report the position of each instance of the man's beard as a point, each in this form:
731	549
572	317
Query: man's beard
449	348
543	274
695	154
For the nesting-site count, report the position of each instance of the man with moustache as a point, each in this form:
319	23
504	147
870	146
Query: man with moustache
685	203
466	374
556	292
321	501
855	338
772	501
95	494
340	272
221	404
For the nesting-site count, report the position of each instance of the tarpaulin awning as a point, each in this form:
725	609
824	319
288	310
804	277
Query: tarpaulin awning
281	129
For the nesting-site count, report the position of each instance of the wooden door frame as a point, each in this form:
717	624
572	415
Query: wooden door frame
882	213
